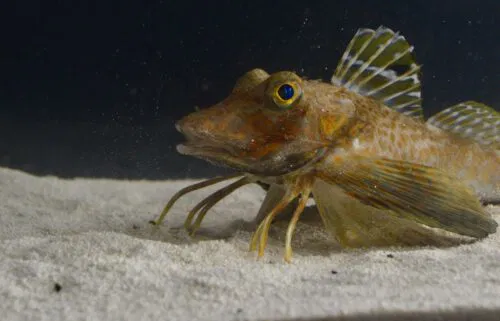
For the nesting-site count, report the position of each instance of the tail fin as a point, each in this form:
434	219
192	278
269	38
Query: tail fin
472	120
379	64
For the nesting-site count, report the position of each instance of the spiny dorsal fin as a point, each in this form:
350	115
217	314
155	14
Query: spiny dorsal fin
379	64
471	120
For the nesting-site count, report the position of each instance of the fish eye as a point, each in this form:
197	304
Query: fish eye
286	94
285	91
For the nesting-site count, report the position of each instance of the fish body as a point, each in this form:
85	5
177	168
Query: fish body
383	132
358	145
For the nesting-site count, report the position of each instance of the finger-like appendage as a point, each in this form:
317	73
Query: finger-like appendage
266	224
189	189
273	195
213	199
293	222
255	238
194	210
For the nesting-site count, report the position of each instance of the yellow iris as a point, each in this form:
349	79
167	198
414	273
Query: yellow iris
286	94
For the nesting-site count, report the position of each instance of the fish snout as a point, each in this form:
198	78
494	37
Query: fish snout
191	126
178	127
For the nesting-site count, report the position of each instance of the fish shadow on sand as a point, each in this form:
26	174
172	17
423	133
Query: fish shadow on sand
310	237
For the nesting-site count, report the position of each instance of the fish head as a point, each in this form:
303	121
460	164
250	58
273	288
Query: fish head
267	126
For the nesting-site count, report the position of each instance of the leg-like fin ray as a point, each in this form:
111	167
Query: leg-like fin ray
274	194
304	197
209	202
296	188
189	189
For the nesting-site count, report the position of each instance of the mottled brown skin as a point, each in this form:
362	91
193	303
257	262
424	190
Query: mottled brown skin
377	176
247	132
387	133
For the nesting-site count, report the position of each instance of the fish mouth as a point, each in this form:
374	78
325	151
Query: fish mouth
214	154
272	166
199	149
231	153
199	145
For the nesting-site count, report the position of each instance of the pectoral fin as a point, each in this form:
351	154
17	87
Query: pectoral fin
357	225
419	193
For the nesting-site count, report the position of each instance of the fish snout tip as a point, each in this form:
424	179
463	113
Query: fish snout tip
178	127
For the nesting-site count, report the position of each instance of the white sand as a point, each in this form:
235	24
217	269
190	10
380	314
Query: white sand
93	238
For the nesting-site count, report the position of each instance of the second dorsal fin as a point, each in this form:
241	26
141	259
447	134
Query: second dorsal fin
471	120
379	64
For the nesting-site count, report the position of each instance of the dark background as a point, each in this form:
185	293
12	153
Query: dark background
93	88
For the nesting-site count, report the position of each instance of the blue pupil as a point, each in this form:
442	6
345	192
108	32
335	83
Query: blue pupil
285	92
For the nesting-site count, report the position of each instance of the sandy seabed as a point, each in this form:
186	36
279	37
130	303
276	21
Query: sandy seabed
82	249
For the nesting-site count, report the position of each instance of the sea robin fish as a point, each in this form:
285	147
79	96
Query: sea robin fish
379	174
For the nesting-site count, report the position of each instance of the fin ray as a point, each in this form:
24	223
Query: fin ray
416	192
370	64
346	61
472	120
356	225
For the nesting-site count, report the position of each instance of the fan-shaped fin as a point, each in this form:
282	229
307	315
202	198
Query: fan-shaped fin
379	64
